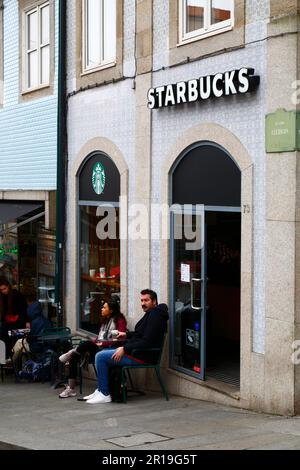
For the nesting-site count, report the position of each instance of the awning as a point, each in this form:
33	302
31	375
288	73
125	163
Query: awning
10	211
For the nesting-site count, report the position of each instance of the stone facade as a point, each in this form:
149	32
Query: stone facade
146	144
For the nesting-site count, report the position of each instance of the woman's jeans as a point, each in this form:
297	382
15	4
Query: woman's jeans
103	361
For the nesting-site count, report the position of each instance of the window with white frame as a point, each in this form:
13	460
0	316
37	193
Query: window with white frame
201	18
37	47
99	38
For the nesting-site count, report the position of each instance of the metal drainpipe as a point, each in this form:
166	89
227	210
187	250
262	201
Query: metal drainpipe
61	165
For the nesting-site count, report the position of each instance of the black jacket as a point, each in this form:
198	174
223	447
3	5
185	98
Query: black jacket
37	323
148	333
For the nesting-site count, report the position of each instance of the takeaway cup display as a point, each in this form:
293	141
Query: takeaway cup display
102	272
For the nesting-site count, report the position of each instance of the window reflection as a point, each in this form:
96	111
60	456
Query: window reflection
99	267
220	11
195	15
205	15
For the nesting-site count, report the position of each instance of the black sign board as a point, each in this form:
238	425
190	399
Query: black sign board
233	82
99	179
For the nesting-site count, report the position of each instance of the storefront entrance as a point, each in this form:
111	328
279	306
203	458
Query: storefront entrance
206	249
99	254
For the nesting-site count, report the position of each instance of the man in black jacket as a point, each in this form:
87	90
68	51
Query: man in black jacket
148	333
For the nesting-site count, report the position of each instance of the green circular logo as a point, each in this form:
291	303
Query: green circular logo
98	178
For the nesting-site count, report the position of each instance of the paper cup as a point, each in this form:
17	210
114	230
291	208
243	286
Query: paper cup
102	272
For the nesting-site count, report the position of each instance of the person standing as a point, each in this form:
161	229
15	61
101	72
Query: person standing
13	312
148	333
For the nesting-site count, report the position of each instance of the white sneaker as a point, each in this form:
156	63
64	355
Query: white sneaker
87	397
68	392
99	398
67	356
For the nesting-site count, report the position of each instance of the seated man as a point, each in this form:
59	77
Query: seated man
148	333
38	322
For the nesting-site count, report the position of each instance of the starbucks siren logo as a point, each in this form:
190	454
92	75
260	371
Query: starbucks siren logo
98	178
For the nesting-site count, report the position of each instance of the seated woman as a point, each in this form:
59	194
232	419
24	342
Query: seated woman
111	319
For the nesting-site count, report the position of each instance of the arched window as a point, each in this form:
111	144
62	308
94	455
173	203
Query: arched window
206	174
99	242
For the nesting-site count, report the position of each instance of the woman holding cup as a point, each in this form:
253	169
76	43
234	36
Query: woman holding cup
111	322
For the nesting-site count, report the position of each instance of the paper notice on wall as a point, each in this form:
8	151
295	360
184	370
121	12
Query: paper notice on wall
185	273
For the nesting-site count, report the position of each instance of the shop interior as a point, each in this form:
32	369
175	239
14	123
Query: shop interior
223	231
99	265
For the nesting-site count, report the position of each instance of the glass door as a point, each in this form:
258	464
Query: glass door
189	291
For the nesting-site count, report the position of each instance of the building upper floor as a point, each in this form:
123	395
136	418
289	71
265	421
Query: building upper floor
28	50
110	40
113	39
28	94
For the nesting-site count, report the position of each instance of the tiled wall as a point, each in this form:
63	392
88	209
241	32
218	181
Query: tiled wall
107	112
243	116
28	130
110	112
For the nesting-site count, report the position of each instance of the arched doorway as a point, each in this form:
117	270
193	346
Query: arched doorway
205	260
99	240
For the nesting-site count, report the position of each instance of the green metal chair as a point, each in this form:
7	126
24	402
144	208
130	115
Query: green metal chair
60	331
154	365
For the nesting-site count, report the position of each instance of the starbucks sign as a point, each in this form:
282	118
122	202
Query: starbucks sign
233	82
98	178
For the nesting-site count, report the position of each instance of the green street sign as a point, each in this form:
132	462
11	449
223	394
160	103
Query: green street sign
281	131
298	130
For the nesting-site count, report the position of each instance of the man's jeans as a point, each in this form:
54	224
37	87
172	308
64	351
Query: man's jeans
103	360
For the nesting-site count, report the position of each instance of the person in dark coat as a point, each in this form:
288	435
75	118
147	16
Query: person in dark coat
13	312
30	343
148	333
37	323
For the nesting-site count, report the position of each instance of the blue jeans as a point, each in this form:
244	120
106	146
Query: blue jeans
103	360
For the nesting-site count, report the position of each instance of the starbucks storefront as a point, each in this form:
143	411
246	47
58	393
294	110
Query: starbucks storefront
205	285
98	234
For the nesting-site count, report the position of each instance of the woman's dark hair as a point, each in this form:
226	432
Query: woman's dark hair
4	281
114	306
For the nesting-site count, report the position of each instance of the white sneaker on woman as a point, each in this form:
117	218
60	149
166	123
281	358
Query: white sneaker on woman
67	356
88	397
68	392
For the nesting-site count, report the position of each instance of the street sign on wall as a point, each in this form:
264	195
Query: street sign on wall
281	131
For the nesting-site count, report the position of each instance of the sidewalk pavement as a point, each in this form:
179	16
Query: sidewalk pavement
33	417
